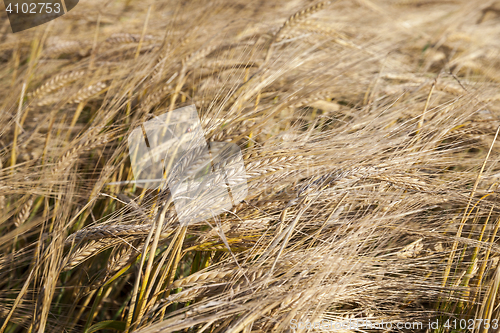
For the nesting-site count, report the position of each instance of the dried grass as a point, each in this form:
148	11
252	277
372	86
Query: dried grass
368	130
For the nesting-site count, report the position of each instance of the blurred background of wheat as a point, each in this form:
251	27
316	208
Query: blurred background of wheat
368	130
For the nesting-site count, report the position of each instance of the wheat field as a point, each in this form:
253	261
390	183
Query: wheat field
369	133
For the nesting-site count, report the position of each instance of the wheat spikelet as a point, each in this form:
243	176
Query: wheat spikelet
214	246
52	98
67	47
123	38
218	65
107	231
87	251
422	83
154	98
24	213
411	250
122	256
198	55
322	29
183	296
201	277
404	77
311	99
186	295
249	279
55	83
292	20
160	65
87	92
450	88
405	182
294	297
272	164
72	154
251	225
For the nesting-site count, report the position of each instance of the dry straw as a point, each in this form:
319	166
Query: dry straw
368	136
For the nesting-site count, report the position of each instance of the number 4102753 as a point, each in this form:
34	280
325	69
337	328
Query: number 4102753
34	8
